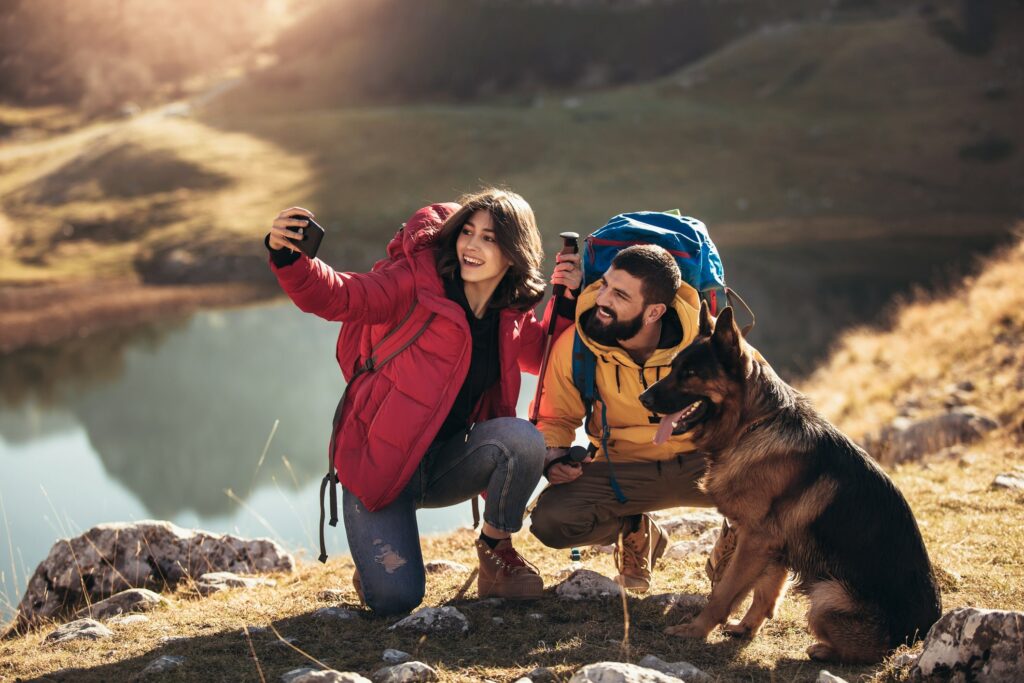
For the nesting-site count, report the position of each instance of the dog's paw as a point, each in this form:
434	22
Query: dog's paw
690	630
820	652
737	629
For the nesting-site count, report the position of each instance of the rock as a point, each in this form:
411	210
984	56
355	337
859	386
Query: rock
395	656
127	619
331	595
310	675
905	439
132	600
497	621
905	659
703	545
407	672
536	616
334	613
284	643
171	640
445	567
617	672
1010	480
214	582
684	670
162	665
541	674
434	620
692	523
970	644
585	584
82	629
826	677
677	600
111	558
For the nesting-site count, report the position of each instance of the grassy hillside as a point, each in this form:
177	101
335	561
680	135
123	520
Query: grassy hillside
974	333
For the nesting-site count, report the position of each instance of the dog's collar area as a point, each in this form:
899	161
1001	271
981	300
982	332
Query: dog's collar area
757	423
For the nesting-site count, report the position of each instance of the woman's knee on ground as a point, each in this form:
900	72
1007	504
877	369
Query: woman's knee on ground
396	597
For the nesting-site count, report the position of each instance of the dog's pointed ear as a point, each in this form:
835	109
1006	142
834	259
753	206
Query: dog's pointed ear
726	337
707	325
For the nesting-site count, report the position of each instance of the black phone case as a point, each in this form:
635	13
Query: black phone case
312	236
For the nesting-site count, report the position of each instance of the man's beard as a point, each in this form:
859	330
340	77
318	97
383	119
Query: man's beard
611	333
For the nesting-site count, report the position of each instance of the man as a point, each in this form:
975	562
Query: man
635	319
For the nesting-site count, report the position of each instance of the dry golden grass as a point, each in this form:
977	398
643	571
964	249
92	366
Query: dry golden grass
971	530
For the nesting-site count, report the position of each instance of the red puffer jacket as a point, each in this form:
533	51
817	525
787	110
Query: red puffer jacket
391	415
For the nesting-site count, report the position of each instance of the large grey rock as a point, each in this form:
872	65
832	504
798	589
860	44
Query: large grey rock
618	672
691	523
969	644
82	629
125	602
906	439
445	619
111	558
311	675
214	582
406	672
541	674
584	584
392	656
162	665
700	546
684	670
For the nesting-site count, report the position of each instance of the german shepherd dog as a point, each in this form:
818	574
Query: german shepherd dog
803	498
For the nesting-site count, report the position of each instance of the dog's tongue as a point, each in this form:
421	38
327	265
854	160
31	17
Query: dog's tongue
665	427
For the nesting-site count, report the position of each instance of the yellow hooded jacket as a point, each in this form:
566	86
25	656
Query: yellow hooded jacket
620	381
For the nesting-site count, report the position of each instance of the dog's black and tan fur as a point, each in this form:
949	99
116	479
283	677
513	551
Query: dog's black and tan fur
803	498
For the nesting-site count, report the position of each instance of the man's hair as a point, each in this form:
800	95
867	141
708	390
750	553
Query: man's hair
656	269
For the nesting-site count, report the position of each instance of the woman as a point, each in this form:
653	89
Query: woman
435	424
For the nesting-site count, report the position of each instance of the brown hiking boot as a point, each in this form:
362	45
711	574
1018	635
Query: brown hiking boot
725	546
504	573
640	552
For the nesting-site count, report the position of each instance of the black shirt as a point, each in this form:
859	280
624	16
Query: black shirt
484	363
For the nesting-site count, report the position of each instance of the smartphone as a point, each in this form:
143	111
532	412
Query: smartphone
312	236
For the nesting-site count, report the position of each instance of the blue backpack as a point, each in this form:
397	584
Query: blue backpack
687	239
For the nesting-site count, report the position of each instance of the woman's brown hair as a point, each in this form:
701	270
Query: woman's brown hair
515	230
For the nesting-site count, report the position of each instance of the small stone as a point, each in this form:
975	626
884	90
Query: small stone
127	619
1009	480
310	675
497	621
618	672
905	659
82	629
214	582
334	613
171	640
684	670
132	600
541	674
491	602
391	656
826	677
284	643
445	567
162	665
331	595
407	672
445	619
253	630
585	584
536	616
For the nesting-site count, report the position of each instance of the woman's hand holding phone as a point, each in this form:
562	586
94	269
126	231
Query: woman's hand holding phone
283	230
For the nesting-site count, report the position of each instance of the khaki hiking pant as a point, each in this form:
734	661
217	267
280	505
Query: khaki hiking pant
586	512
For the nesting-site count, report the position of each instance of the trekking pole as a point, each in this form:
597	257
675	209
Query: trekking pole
570	245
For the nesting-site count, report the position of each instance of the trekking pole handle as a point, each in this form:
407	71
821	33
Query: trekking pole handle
570	245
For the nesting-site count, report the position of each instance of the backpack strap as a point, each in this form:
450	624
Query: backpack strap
584	378
369	365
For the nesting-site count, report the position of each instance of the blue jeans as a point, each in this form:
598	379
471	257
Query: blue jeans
503	456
